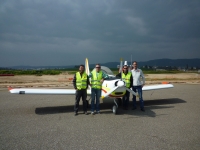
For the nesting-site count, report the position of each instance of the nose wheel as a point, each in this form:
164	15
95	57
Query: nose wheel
114	108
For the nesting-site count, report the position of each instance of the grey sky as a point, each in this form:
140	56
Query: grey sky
65	32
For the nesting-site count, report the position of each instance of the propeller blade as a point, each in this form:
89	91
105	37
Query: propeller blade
121	63
131	91
109	92
87	70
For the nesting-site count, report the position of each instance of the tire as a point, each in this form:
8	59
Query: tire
114	109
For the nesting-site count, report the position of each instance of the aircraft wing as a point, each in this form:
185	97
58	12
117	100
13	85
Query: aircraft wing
44	91
157	87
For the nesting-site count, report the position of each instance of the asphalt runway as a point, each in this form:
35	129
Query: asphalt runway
171	121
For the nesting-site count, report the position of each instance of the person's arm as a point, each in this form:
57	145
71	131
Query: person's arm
118	75
74	82
143	78
105	76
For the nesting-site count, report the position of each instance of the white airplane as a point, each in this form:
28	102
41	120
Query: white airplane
112	88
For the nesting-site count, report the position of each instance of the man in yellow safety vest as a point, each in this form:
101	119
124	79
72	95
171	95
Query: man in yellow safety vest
97	78
128	79
80	83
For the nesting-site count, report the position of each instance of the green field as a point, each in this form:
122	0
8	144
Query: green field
74	70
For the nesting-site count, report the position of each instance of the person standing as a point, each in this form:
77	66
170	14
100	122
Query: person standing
80	83
128	79
97	78
137	75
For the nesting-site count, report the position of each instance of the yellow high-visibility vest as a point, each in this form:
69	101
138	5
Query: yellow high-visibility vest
127	79
95	81
81	82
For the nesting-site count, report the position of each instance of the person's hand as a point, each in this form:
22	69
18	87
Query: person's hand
102	80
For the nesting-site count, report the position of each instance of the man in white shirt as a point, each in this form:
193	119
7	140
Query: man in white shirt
137	75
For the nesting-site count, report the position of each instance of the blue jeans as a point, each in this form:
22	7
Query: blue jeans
96	93
139	90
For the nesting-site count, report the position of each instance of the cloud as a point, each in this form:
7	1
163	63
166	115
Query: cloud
65	32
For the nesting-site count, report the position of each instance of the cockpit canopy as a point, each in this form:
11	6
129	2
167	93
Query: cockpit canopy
109	72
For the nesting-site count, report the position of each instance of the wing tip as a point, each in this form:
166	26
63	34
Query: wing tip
165	82
10	88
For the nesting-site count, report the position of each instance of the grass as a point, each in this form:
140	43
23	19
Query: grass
74	70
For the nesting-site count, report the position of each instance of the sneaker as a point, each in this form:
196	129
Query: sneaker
142	109
92	113
98	112
75	114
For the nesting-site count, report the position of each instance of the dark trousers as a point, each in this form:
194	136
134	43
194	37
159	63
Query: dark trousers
80	93
125	99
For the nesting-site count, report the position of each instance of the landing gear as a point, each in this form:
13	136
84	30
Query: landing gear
114	109
119	101
115	106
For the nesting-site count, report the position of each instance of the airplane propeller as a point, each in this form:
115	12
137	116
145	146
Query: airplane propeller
121	84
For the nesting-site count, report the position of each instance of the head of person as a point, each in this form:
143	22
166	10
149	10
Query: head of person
125	68
81	68
98	67
135	65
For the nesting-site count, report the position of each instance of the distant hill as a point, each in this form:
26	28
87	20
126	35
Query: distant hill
156	62
162	62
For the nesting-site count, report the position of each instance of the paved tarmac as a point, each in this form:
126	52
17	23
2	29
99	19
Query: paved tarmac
171	121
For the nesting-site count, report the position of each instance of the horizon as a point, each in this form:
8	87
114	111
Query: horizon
95	63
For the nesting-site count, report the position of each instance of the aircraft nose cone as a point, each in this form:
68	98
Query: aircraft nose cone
120	83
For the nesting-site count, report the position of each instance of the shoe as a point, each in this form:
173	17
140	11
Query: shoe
98	112
75	114
92	113
86	113
142	109
134	108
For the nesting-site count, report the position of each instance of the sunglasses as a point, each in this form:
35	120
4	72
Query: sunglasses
125	68
98	67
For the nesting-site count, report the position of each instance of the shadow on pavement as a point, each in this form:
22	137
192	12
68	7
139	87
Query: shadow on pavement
106	108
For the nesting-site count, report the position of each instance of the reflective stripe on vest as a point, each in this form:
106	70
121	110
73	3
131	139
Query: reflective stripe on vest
81	82
127	79
95	81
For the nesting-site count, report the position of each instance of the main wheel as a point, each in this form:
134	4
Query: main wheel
114	109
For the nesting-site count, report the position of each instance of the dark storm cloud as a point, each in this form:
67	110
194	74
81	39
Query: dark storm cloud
65	32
